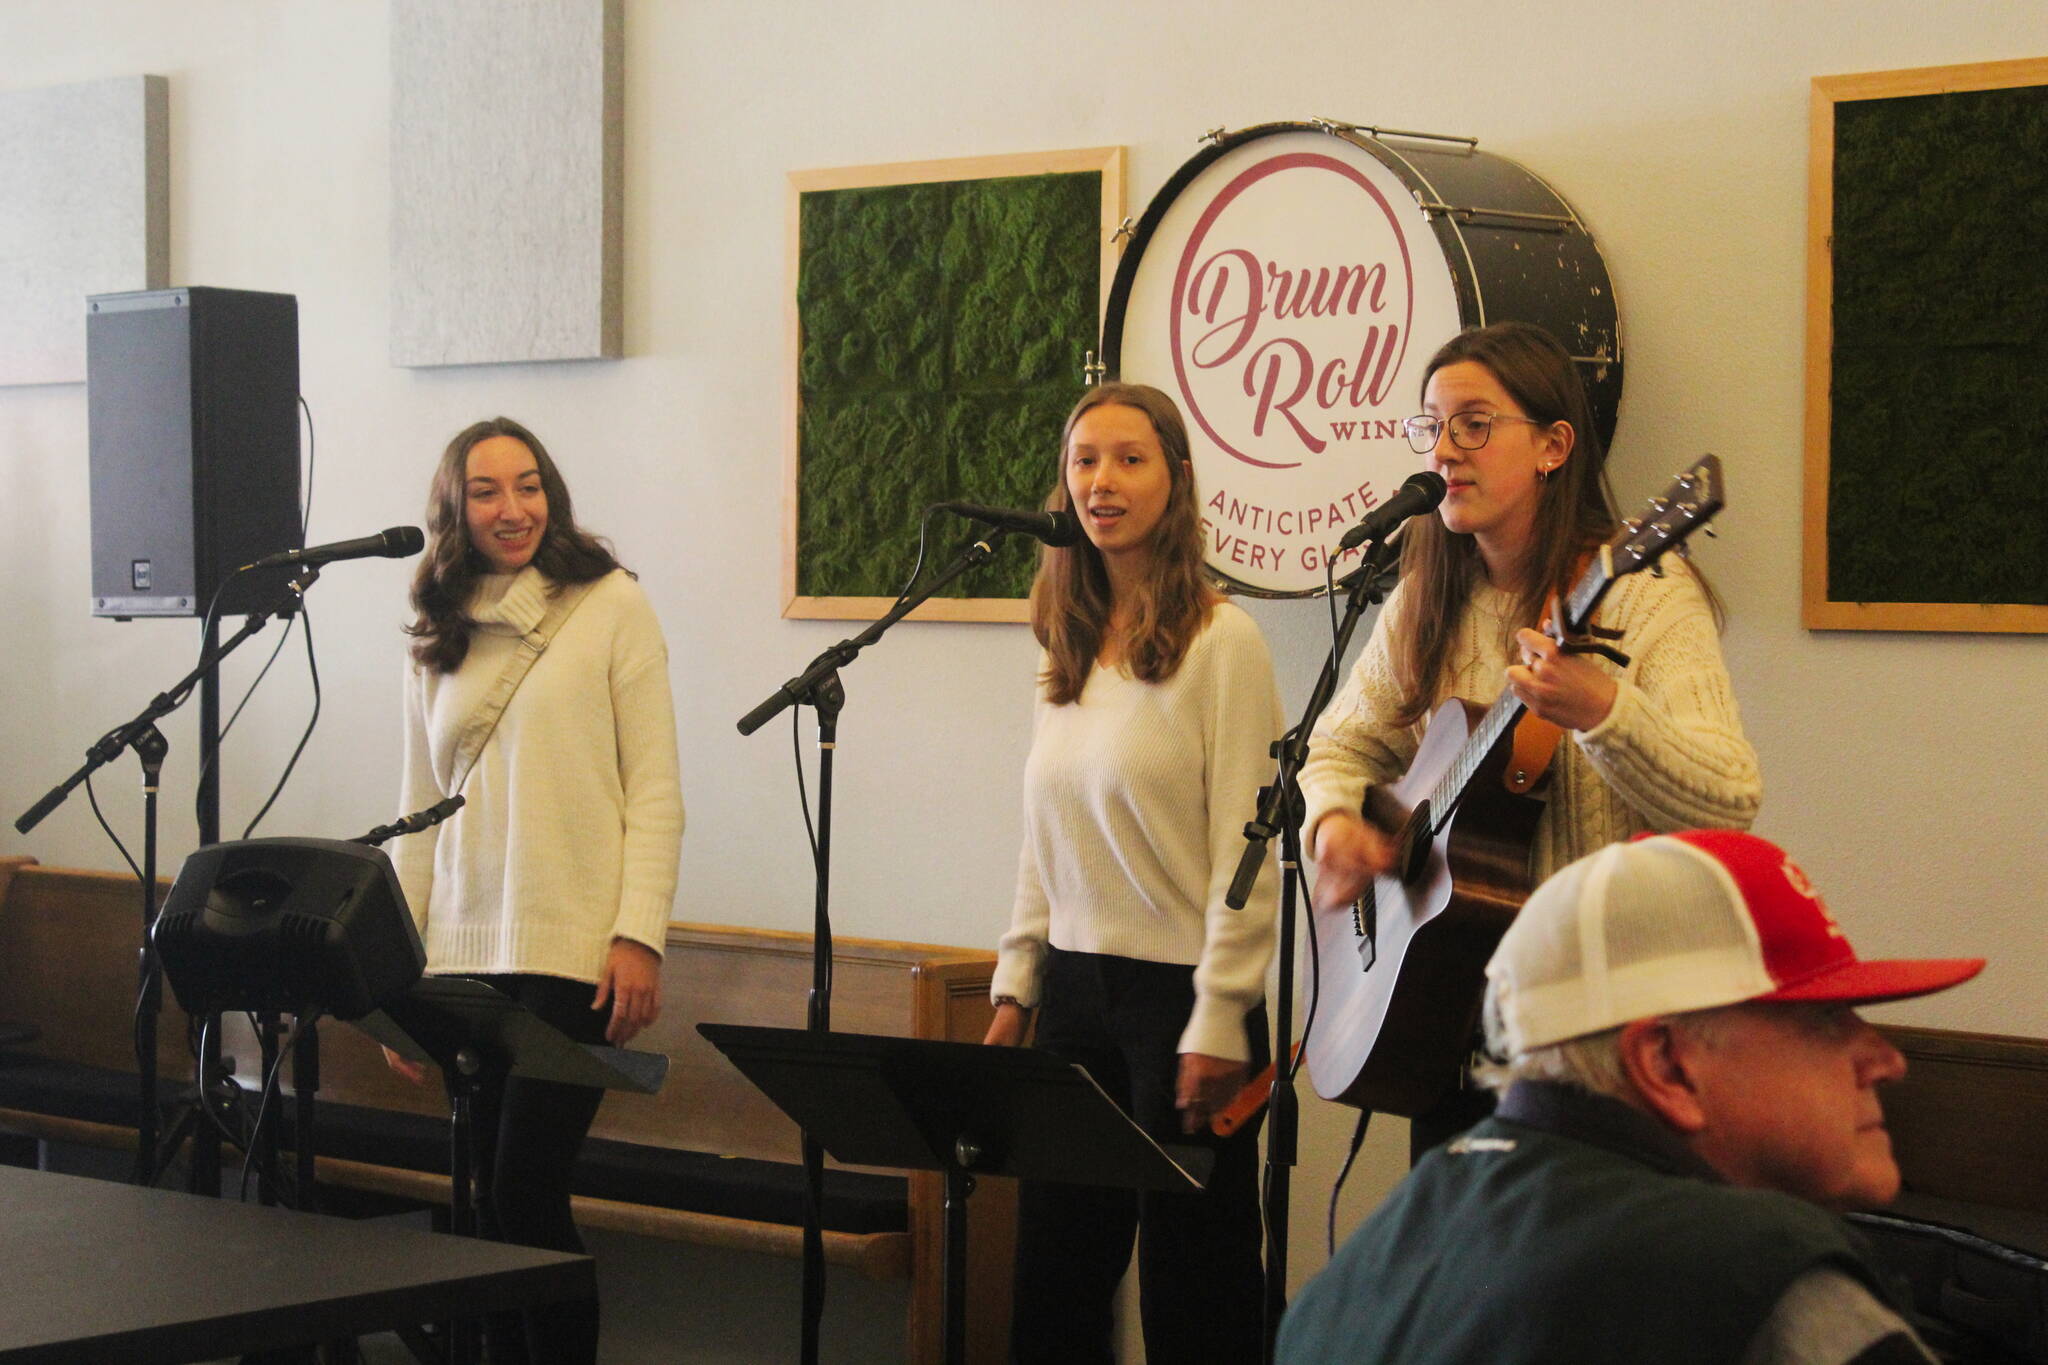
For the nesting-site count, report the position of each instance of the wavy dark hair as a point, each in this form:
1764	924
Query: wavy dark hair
447	576
1071	596
1574	509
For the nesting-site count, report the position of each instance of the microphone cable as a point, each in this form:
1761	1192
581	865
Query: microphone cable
220	740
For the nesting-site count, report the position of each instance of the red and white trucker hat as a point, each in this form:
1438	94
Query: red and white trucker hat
1677	922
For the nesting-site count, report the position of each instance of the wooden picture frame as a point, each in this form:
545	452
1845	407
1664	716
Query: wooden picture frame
1108	163
1975	521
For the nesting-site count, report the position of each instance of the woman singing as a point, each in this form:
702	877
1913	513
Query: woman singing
1655	746
1155	709
554	883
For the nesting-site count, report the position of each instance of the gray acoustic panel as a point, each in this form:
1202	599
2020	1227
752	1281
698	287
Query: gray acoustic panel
505	180
85	208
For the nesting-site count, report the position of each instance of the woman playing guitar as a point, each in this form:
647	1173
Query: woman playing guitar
1657	745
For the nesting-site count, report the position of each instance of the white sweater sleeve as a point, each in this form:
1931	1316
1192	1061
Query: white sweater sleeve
1020	955
1672	745
1354	745
1242	721
413	858
644	715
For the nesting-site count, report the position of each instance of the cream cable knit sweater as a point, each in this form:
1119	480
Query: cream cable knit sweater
575	816
1135	802
1670	755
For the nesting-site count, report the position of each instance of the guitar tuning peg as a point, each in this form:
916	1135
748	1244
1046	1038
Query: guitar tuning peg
1711	533
1657	569
1659	504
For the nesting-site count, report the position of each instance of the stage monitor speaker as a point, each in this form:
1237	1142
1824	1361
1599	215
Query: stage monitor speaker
192	401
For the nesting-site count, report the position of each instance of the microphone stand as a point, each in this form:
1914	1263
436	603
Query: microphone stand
819	687
141	735
1280	812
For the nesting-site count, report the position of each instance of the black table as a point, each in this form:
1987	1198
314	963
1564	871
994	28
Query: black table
100	1272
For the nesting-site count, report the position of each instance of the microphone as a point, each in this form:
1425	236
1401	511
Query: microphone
1422	493
414	823
1057	529
395	542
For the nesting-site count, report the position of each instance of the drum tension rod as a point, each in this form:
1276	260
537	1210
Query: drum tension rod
1330	125
1465	213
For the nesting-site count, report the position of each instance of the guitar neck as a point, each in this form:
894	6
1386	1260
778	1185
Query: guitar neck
1508	708
1450	788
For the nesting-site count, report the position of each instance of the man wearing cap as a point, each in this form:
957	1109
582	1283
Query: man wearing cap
1689	1097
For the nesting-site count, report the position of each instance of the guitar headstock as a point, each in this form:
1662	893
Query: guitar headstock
1686	505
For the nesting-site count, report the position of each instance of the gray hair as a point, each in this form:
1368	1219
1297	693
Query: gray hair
1591	1062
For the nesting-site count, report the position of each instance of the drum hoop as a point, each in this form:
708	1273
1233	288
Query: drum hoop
1446	221
1220	144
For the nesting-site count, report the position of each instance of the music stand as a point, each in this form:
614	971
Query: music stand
476	1034
960	1108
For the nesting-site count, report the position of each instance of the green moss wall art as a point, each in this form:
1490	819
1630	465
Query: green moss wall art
1927	351
940	315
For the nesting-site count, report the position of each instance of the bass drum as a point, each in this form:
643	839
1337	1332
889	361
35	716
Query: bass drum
1288	285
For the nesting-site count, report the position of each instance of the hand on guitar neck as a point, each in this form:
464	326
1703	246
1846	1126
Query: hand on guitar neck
1556	682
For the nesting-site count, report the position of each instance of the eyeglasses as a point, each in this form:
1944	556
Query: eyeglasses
1469	430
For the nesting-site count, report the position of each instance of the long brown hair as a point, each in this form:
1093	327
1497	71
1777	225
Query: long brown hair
1574	509
447	576
1071	598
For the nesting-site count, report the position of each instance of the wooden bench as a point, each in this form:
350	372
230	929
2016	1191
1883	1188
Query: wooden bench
1968	1120
1966	1125
67	964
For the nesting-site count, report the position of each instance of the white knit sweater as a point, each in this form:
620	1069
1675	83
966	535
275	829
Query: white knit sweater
574	816
1670	755
1135	802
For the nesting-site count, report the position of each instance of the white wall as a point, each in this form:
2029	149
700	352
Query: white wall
1905	770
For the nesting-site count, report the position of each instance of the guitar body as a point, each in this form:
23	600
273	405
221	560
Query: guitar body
1396	1009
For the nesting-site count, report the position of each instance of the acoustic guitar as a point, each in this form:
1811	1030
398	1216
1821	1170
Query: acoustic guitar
1400	972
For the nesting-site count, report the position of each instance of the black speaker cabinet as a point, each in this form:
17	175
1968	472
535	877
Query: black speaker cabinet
192	398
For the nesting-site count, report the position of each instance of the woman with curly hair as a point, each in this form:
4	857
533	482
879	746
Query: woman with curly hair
538	689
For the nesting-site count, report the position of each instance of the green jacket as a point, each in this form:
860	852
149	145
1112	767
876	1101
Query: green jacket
1567	1228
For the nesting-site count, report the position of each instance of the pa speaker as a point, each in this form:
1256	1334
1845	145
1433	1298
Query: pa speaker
192	400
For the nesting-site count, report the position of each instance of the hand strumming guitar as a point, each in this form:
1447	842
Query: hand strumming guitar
1348	853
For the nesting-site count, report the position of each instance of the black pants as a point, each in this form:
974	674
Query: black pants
1200	1285
527	1135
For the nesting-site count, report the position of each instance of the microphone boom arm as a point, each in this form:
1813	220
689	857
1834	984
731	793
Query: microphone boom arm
134	732
800	689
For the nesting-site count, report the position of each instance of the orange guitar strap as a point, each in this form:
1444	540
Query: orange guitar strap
1536	739
1535	745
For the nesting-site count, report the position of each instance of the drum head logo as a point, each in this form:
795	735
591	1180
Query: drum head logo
1270	354
1288	299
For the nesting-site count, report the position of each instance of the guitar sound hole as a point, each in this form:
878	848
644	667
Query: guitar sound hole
1412	857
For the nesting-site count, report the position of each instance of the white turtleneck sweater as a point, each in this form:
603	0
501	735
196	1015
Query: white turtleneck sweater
1670	755
574	815
1135	801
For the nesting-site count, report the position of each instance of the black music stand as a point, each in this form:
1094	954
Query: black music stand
960	1108
476	1034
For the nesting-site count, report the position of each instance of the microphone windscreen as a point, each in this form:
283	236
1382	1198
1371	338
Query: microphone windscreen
1064	531
401	541
1430	484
